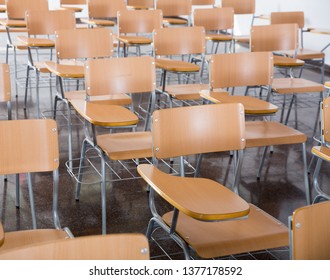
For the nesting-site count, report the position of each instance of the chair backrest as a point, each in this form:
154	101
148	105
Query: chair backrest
174	8
80	43
310	232
213	19
16	8
47	22
105	8
288	17
139	21
325	120
98	247
240	7
241	69
5	85
203	2
120	75
274	37
198	129
28	146
297	17
179	40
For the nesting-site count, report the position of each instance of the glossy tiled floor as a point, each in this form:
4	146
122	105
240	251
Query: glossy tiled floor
279	191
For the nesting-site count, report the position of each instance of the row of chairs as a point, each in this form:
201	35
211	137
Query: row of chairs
96	71
103	87
194	199
78	107
152	22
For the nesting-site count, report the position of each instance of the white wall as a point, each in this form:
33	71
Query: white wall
316	15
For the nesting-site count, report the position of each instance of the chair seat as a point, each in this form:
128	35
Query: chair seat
65	70
295	85
13	29
99	22
21	238
322	152
218	37
242	39
114	99
13	22
174	20
262	133
305	54
176	65
76	9
215	203
284	61
186	91
36	42
20	46
134	40
252	105
256	232
104	114
41	67
123	146
327	84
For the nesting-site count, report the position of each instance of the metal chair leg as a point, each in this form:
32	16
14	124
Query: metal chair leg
33	212
80	170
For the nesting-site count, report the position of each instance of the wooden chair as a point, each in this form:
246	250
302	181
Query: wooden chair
308	56
310	232
5	88
247	70
189	43
75	5
103	12
285	37
15	10
241	8
41	30
251	69
207	216
322	152
70	66
29	146
124	246
135	28
218	22
26	152
15	23
175	12
107	77
276	38
141	4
